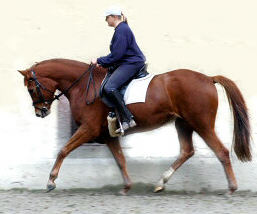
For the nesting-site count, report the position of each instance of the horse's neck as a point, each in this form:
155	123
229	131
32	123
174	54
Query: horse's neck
66	76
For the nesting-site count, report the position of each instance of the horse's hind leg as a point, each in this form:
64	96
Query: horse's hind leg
222	153
186	151
114	146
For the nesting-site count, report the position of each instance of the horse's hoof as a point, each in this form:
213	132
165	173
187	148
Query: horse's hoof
50	186
227	195
158	189
232	189
123	192
230	192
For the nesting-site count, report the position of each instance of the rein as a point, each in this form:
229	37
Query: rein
40	86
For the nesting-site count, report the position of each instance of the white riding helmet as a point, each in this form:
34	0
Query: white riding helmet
113	10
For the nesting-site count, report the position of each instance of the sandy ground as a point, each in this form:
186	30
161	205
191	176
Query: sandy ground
140	200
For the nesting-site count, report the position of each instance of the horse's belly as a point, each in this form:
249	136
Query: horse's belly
149	117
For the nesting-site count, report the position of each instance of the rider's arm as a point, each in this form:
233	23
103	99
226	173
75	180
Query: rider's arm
118	50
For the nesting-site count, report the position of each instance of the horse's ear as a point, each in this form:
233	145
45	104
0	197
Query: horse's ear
23	73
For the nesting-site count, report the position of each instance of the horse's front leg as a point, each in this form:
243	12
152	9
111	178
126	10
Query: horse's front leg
82	135
114	146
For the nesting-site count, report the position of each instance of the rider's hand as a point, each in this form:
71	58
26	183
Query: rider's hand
94	62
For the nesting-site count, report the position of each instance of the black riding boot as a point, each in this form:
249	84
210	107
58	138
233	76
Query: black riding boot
127	116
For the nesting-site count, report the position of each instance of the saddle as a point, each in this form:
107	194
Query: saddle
140	74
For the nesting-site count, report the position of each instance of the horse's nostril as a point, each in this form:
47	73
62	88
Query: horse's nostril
44	110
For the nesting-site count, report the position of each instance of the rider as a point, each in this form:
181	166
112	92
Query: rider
126	58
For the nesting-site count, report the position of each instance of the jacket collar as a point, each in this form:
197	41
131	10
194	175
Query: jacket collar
119	25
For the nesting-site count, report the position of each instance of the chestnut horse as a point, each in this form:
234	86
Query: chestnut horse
187	97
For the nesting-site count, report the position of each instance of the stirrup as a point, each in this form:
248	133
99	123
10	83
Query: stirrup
126	126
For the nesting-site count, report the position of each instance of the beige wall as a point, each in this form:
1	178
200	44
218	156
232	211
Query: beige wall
213	37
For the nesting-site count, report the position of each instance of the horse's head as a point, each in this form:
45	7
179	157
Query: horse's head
41	90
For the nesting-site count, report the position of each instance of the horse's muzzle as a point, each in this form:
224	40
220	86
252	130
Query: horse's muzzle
42	112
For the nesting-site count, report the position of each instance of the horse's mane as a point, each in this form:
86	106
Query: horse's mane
71	65
69	62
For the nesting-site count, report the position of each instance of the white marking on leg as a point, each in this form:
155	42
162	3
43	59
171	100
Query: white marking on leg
165	177
167	174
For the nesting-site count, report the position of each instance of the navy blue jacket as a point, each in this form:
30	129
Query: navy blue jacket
124	49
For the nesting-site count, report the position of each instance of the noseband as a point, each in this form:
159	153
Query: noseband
40	86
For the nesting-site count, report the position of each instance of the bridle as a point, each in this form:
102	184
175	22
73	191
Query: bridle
40	87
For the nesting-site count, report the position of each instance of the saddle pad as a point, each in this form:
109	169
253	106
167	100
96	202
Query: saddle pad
136	90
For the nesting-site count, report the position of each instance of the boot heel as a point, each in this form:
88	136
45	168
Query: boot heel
132	123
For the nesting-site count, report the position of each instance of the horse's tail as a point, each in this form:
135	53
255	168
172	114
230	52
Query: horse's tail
241	135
